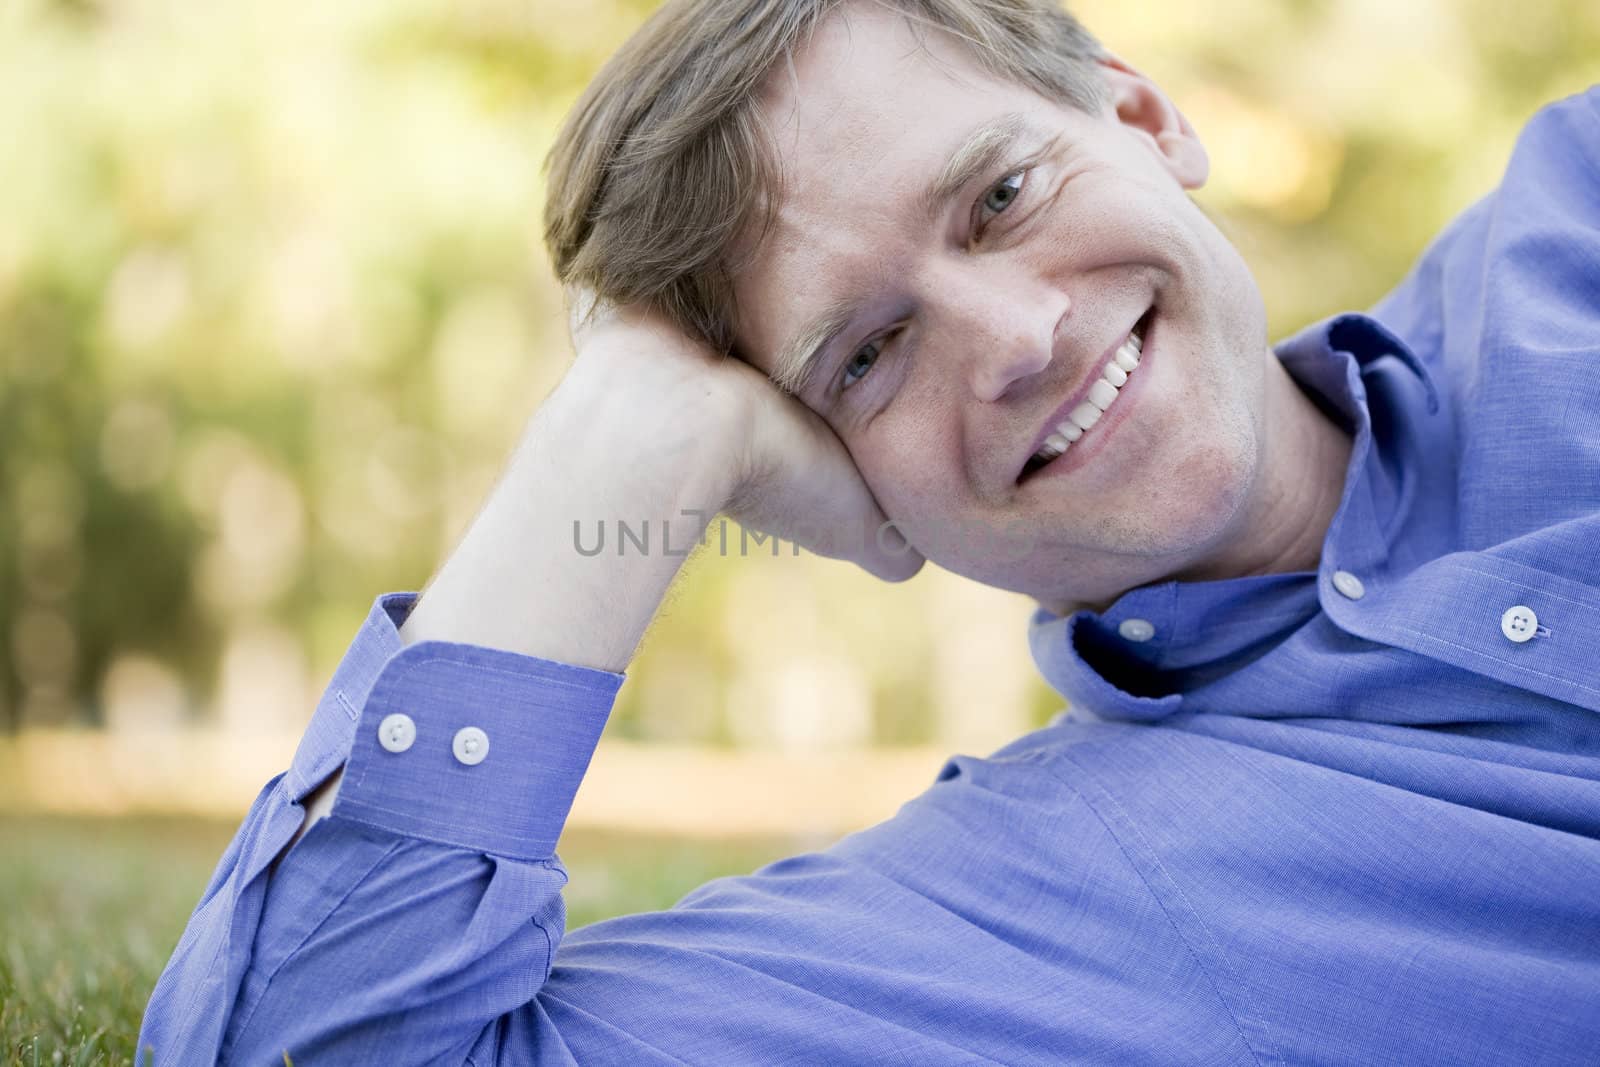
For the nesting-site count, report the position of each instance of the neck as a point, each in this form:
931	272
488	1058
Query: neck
1303	477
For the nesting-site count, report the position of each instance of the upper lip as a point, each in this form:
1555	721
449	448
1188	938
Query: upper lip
1078	395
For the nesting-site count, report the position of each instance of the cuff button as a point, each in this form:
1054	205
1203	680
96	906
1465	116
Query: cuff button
470	745
397	732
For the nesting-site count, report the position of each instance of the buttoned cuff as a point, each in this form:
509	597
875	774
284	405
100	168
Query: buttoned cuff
457	744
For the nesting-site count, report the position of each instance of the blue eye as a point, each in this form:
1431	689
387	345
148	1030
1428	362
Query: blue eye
860	363
1002	194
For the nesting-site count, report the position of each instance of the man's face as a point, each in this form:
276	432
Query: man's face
973	325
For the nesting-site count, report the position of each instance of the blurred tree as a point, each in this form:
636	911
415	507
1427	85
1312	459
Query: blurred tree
272	308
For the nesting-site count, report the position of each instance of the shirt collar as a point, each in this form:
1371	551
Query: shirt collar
1202	630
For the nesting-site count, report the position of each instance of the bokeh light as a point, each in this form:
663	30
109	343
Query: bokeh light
273	310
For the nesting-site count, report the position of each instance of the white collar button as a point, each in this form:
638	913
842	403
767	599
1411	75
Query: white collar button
1349	585
1136	629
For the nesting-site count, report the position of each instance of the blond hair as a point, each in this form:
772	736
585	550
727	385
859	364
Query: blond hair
663	164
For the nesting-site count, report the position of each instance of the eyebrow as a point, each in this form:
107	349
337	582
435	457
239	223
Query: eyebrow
980	152
983	148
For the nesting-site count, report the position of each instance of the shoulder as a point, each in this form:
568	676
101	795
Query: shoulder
1550	194
1563	137
1501	308
1544	248
1531	243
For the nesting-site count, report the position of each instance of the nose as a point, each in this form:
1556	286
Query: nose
1011	331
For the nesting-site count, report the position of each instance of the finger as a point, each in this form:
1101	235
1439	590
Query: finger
831	510
892	557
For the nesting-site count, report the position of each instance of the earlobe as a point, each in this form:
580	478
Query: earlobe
1140	105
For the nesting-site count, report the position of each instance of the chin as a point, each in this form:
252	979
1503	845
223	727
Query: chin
1194	516
1172	524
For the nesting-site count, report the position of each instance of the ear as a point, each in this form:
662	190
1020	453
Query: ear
1141	106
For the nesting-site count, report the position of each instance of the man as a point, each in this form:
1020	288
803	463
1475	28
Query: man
1334	607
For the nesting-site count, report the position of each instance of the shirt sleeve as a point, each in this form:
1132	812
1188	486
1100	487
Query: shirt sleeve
428	904
995	918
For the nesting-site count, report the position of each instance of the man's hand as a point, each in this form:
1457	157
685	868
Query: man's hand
646	425
785	472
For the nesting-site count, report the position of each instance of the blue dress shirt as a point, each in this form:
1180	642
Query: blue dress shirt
1342	817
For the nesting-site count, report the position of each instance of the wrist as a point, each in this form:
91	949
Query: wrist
641	420
617	442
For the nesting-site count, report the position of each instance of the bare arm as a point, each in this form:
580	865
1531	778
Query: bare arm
644	426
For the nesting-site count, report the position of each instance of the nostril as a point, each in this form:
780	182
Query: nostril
997	383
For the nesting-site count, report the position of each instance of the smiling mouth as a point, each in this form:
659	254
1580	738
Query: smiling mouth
1102	394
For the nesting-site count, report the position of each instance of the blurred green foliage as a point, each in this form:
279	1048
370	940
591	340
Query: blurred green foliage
272	309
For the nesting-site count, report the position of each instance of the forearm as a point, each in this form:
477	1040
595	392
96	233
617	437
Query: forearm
517	580
644	427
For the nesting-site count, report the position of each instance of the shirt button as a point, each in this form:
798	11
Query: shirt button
397	732
1349	585
1136	629
1519	623
470	745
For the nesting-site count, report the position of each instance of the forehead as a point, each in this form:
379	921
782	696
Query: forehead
860	119
861	72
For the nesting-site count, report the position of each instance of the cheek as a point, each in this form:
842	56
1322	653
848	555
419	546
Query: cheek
911	464
1229	276
1206	470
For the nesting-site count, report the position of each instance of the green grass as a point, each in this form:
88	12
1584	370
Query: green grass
90	910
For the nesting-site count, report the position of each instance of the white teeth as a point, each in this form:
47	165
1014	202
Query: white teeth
1102	393
1083	417
1053	446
